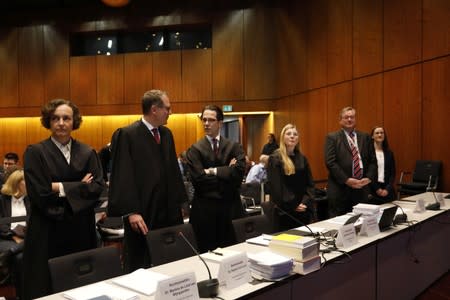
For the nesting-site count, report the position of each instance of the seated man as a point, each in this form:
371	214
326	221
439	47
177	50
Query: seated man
258	172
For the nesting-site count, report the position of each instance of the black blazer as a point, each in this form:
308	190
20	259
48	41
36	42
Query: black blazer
5	212
389	175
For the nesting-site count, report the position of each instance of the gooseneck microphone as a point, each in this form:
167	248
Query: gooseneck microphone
401	218
296	220
434	206
206	288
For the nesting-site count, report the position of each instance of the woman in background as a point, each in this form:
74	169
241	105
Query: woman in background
291	182
271	145
382	190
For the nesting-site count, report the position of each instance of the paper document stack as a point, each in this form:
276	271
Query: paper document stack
297	247
269	265
100	290
218	255
366	209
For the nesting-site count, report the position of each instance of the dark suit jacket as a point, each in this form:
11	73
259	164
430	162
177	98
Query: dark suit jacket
5	211
339	162
389	178
145	179
216	200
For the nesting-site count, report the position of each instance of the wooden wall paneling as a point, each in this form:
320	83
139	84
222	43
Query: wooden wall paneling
291	53
402	32
436	105
256	135
436	28
83	80
338	97
316	43
367	37
9	75
177	124
35	132
228	56
196	68
110	73
138	76
260	76
167	73
193	131
13	135
339	43
368	102
109	124
57	74
282	115
90	132
309	110
31	66
402	110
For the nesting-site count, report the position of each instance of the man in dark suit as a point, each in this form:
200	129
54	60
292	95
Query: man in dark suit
216	165
351	163
146	187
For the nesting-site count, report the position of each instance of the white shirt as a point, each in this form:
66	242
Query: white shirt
380	163
65	150
17	210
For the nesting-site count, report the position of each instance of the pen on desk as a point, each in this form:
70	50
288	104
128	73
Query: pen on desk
216	253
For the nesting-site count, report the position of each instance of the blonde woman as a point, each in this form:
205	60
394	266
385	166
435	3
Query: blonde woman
291	182
13	203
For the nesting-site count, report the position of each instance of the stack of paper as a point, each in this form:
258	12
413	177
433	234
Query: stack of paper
218	255
366	209
269	265
307	266
100	290
141	280
299	248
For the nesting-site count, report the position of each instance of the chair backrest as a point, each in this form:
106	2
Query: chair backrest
85	267
426	168
252	226
252	190
166	245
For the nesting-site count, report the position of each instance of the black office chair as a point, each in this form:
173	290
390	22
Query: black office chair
252	226
252	190
425	178
166	245
85	267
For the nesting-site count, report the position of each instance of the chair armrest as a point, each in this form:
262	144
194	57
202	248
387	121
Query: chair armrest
401	176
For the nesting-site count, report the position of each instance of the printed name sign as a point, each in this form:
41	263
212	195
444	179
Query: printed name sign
179	287
234	271
370	226
346	236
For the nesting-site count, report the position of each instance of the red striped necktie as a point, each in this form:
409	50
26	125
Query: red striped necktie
357	172
156	135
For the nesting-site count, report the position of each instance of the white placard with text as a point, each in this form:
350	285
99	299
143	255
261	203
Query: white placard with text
178	287
369	226
420	206
234	271
346	236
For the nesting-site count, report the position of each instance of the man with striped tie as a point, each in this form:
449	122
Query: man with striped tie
351	164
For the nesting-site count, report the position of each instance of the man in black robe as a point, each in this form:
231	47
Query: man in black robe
146	187
216	165
64	181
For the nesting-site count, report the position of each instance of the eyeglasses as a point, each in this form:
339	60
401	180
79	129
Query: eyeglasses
209	120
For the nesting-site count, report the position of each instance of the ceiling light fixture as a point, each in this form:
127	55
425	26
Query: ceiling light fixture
116	3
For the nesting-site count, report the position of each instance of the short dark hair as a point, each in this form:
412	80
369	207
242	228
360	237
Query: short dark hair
49	109
218	110
150	98
12	156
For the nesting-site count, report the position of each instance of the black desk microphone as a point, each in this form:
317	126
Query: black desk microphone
206	288
296	220
434	206
401	218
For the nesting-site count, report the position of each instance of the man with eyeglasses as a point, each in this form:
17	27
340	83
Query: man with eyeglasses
216	165
146	187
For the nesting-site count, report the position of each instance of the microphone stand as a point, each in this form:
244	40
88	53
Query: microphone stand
316	235
434	206
398	219
206	288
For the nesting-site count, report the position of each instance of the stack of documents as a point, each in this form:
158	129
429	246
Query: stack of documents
143	281
218	255
299	248
269	265
100	290
366	209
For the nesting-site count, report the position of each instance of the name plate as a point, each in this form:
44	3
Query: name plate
370	226
420	206
179	287
234	271
346	236
441	199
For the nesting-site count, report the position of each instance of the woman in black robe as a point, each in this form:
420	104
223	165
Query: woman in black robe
64	181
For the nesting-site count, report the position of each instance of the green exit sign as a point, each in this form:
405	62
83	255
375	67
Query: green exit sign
227	108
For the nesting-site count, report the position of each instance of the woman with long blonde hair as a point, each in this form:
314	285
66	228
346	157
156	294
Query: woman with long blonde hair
290	180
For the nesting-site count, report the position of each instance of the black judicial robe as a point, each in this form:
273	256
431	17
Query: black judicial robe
216	199
145	179
58	225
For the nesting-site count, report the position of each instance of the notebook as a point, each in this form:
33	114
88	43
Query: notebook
387	218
